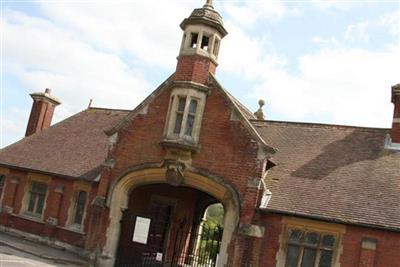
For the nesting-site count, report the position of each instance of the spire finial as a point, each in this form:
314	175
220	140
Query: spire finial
209	3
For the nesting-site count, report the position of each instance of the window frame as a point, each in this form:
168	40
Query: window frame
79	205
34	212
78	187
309	226
189	95
302	245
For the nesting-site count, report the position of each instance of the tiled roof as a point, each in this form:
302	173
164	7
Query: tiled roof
334	172
75	147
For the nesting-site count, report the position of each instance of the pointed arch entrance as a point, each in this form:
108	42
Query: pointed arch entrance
120	195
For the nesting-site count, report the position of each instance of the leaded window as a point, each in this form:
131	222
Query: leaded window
37	196
80	207
309	248
185	116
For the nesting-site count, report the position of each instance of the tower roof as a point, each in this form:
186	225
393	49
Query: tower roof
206	15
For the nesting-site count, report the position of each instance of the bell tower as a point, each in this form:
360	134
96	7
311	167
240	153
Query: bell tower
202	34
203	31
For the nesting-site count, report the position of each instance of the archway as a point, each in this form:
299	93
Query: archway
213	186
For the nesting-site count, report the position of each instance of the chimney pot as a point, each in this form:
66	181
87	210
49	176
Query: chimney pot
47	91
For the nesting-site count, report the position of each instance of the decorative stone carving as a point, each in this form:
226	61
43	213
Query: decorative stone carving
15	180
59	188
52	221
174	174
253	182
99	202
251	230
8	209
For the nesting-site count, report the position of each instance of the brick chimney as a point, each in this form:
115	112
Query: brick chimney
395	132
42	111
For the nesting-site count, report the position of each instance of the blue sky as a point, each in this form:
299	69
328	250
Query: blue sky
314	61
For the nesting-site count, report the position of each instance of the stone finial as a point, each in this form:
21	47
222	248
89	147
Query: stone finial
259	113
209	3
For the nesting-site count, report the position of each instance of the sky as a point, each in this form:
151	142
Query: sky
320	61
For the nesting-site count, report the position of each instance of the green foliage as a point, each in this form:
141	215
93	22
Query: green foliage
215	214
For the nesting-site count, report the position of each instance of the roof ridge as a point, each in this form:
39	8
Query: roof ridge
108	109
318	124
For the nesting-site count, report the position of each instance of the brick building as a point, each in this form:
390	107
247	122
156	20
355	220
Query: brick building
130	187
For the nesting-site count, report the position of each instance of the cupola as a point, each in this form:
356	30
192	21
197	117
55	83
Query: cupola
202	34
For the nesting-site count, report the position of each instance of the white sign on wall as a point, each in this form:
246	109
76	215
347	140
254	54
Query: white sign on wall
141	232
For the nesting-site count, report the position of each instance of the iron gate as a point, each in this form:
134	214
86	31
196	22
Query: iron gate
192	246
197	245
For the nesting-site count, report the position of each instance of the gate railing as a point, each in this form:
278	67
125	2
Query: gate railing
197	246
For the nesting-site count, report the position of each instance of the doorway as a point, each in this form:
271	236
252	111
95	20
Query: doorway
166	226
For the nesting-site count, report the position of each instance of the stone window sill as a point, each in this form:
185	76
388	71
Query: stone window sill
73	228
30	217
180	144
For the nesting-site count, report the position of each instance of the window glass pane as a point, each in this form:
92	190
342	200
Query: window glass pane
193	106
189	125
308	257
295	235
40	204
328	241
31	204
326	258
80	207
292	256
2	179
40	188
312	238
178	123
181	104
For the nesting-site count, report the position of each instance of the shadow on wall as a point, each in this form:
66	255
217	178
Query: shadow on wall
359	145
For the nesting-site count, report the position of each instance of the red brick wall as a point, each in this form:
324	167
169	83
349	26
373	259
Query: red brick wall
40	117
387	253
194	68
57	206
226	147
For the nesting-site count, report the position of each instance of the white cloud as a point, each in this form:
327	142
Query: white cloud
44	55
248	13
246	55
148	32
348	86
328	4
392	22
357	31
